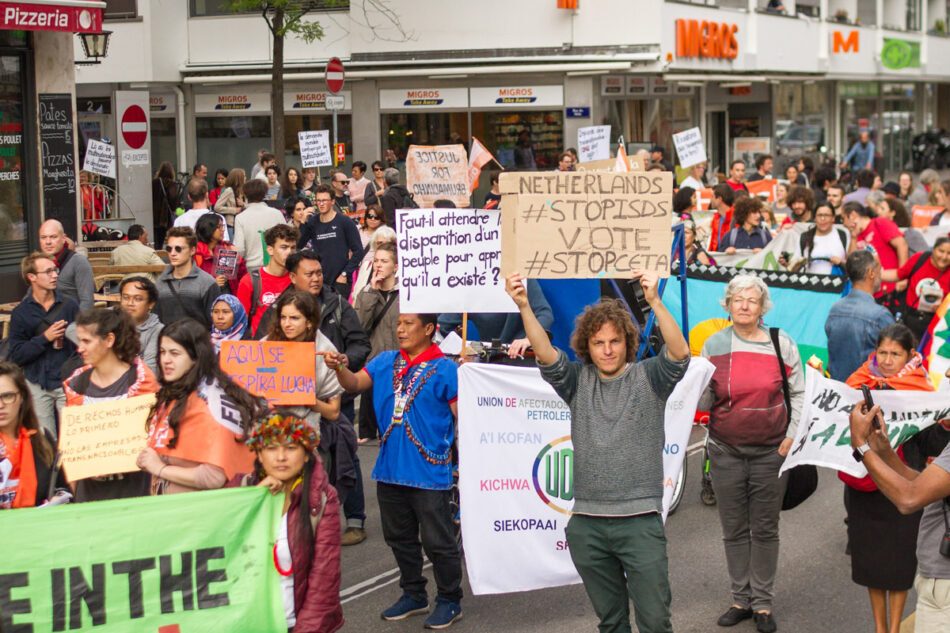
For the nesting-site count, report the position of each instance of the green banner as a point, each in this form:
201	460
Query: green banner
185	563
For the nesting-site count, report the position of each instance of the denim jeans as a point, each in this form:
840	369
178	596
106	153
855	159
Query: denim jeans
354	506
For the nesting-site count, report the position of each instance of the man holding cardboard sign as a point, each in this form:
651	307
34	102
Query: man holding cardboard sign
615	534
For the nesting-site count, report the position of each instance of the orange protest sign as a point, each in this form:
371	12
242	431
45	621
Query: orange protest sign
763	188
704	198
282	372
921	215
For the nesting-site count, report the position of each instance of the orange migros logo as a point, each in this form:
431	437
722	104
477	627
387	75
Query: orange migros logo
841	45
695	38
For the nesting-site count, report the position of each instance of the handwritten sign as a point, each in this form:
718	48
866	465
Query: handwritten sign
103	438
824	432
921	216
315	148
437	172
100	159
284	373
634	163
450	261
593	143
689	147
225	263
584	225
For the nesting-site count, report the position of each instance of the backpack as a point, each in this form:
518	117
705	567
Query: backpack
730	238
256	290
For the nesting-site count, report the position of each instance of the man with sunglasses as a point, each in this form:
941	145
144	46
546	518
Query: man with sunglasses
184	290
37	340
341	196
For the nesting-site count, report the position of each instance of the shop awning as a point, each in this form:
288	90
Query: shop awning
71	16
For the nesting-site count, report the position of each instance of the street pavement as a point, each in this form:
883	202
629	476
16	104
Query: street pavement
813	591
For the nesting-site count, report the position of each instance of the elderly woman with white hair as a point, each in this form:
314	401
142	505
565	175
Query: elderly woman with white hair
750	432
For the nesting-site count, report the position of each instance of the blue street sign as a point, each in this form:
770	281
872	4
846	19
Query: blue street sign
578	113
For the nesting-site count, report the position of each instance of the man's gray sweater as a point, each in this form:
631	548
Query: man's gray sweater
617	429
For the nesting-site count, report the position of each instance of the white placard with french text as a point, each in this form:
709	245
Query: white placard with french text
593	143
100	159
689	147
315	148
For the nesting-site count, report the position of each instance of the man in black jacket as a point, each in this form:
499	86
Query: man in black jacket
395	197
340	324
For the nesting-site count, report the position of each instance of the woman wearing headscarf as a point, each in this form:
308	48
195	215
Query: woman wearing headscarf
228	321
307	547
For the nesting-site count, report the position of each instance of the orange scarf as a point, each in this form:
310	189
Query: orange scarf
911	377
21	482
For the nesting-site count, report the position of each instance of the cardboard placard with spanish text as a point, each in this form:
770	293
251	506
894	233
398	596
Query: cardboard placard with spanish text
633	162
586	225
921	216
103	438
437	172
281	371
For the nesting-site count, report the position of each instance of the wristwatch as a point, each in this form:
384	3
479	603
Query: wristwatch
860	452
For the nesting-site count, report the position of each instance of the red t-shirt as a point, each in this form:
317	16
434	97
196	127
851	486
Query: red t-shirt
879	234
271	287
737	186
927	272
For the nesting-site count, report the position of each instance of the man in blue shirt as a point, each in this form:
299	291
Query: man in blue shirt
854	321
864	180
415	402
861	154
748	233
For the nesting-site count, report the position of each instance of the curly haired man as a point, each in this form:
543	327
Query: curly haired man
615	535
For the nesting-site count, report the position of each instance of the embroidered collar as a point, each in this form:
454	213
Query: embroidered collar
433	352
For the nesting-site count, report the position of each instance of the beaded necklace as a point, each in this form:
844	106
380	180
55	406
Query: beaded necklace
421	374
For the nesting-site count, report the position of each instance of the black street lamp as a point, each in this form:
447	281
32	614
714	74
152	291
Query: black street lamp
95	45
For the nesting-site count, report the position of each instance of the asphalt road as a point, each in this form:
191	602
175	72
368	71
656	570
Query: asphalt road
814	592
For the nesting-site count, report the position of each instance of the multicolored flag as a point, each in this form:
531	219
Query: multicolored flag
937	343
478	157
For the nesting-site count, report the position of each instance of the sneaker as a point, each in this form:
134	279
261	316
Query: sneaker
353	536
404	607
734	616
444	615
765	623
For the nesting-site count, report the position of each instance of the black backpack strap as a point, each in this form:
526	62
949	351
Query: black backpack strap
843	236
919	264
255	295
773	334
379	317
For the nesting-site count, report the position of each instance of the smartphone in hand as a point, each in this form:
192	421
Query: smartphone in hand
869	402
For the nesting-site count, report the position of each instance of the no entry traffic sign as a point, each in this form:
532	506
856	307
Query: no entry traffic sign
134	127
334	75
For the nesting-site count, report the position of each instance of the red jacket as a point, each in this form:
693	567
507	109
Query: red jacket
204	259
317	579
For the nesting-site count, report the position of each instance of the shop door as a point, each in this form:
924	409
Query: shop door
717	142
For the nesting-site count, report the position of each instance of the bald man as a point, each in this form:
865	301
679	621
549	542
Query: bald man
75	272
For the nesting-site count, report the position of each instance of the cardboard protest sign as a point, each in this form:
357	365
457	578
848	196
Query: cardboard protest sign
824	431
516	472
689	147
100	159
450	261
282	372
315	148
764	189
132	565
582	225
225	263
593	143
436	172
921	216
103	438
610	164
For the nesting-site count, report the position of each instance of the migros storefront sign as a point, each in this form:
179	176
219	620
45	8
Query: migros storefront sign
704	38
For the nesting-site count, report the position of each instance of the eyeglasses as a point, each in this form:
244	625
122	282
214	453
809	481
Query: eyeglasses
177	249
371	216
342	182
49	271
377	169
323	201
9	397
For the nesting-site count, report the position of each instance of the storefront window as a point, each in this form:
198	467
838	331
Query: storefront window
423	128
227	142
309	122
12	213
523	140
887	112
163	142
799	119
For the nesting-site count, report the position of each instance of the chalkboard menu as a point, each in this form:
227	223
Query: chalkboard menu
58	154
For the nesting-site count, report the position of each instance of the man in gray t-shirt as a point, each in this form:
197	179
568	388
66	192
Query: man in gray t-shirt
615	534
910	491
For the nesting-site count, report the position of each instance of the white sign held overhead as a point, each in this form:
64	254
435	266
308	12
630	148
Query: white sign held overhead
315	148
689	147
593	143
100	159
450	261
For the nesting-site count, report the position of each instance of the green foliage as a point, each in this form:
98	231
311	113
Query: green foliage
287	16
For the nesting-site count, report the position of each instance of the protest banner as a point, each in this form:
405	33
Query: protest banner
450	261
103	438
437	172
824	431
516	472
921	216
689	147
195	562
562	225
100	159
610	164
282	372
225	263
593	143
764	189
315	148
